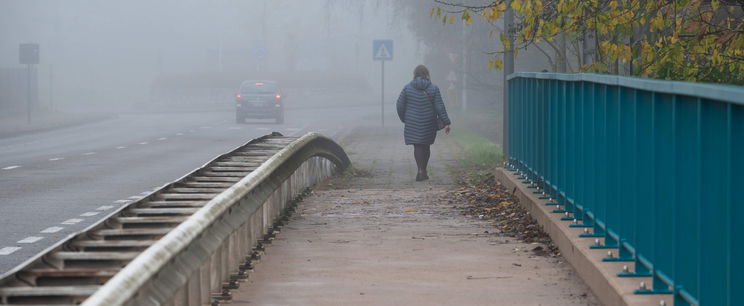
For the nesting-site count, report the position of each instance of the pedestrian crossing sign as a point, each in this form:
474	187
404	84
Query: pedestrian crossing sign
382	50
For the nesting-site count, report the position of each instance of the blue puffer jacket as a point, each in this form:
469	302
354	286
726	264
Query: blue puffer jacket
416	110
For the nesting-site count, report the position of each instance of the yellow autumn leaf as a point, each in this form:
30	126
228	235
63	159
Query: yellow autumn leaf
516	4
411	210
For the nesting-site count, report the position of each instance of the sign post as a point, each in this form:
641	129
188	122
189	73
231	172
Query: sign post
382	50
28	54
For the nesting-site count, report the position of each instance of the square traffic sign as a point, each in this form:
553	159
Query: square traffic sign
382	50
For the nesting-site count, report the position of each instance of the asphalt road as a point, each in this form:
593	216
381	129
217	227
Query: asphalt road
56	183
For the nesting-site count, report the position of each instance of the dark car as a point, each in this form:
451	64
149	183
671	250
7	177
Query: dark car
259	100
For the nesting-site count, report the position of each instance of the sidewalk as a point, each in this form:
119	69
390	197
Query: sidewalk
43	121
383	239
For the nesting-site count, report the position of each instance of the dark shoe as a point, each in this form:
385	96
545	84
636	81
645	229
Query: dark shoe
425	176
420	177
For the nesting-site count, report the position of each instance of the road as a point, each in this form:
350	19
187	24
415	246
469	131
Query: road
56	183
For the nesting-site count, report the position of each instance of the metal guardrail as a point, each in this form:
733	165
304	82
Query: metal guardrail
184	244
650	168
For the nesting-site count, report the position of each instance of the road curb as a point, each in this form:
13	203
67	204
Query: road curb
601	277
61	125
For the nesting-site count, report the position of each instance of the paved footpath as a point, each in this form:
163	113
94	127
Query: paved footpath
384	239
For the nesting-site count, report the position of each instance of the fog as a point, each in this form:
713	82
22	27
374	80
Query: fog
119	56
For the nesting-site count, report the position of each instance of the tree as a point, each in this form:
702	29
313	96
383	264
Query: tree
692	40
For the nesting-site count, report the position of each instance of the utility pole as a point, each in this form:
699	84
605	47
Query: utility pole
562	60
508	69
464	89
51	86
382	95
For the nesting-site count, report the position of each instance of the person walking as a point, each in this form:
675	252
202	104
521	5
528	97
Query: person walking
421	109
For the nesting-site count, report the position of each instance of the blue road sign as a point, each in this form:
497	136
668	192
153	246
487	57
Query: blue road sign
382	50
260	52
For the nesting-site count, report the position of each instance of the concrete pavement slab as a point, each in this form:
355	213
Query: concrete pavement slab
383	239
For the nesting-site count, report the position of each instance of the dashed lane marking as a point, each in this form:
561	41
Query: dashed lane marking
145	192
72	221
105	207
163	138
56	158
11	167
30	239
122	201
52	229
143	143
179	134
89	153
121	147
89	214
9	250
135	197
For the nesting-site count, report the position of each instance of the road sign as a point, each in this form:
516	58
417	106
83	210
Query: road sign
28	54
382	50
259	50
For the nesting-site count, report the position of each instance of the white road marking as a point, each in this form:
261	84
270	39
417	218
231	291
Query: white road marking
11	167
179	134
89	214
121	147
135	197
105	207
89	153
72	221
145	192
30	239
143	143
8	250
122	201
56	158
52	229
163	138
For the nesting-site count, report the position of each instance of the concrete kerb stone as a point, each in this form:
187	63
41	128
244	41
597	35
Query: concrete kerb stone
601	277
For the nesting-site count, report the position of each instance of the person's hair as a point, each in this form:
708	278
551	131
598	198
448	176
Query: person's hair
421	72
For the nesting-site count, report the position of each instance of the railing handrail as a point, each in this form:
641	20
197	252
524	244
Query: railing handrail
125	284
651	168
726	93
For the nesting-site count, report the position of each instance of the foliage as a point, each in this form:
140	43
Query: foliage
692	40
478	151
441	49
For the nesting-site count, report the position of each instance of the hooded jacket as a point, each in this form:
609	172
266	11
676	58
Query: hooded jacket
419	105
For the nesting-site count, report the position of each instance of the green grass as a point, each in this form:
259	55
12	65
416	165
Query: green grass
478	151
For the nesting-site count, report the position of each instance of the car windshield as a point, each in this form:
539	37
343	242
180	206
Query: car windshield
258	88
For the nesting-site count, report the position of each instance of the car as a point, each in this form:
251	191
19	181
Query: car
260	99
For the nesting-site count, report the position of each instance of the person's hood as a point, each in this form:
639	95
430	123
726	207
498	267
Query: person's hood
420	83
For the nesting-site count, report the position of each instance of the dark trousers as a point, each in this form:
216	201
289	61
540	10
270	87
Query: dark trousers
421	152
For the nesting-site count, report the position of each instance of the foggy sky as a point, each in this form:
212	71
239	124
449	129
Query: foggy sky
107	53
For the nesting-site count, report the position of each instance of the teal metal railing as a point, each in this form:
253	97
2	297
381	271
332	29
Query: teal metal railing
651	168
